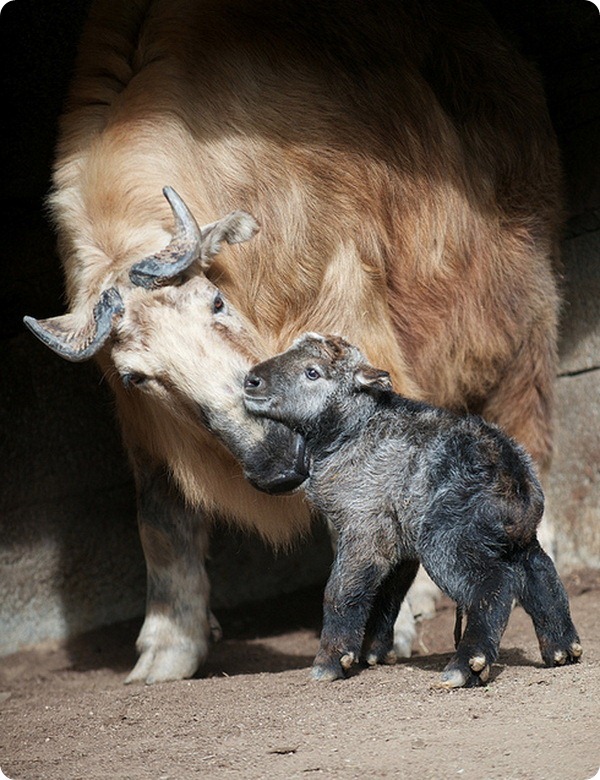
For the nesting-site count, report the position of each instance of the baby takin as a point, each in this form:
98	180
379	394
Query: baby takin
405	483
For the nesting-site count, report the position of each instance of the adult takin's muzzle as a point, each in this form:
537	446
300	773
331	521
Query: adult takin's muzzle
281	464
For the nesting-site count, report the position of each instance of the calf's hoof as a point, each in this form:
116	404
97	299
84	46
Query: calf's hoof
331	665
327	673
330	669
375	657
556	654
465	674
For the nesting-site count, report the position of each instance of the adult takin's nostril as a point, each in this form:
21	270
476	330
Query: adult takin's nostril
252	382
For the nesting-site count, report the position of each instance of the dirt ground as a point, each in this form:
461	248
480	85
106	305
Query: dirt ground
254	713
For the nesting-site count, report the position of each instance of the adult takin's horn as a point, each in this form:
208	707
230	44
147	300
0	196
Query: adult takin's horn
190	243
178	255
79	342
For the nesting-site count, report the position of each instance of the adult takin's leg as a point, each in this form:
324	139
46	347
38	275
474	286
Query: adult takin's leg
349	595
545	600
378	644
420	604
173	641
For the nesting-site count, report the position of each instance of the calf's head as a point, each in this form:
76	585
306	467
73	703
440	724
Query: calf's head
171	334
315	378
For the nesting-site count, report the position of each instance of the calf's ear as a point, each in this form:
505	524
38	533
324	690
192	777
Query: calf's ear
367	377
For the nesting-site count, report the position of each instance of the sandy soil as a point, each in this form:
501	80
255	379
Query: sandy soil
65	713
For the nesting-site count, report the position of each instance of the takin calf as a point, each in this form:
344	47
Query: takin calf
404	482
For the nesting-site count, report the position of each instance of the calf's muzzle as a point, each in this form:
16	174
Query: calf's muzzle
258	394
253	385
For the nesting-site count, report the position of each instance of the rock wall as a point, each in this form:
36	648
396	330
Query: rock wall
573	489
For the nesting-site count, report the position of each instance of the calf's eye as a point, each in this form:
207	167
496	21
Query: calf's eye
312	373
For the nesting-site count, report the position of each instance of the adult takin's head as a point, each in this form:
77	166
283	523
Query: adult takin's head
119	318
317	375
162	329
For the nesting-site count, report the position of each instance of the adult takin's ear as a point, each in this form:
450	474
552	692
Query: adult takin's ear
366	377
236	227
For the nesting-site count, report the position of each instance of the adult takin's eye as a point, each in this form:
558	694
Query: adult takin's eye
313	373
133	379
218	304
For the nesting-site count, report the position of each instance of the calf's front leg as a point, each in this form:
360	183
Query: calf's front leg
173	641
349	596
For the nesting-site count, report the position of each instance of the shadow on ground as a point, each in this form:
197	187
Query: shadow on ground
243	649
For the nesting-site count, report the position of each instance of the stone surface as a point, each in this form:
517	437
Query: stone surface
580	325
573	487
70	556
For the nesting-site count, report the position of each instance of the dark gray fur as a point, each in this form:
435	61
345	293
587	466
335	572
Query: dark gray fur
404	482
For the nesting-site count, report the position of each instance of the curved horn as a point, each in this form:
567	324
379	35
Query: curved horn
178	255
190	243
74	343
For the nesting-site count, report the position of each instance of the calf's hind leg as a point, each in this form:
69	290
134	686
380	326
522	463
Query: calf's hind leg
487	610
464	557
544	599
461	562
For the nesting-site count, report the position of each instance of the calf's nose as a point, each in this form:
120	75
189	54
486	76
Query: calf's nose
252	383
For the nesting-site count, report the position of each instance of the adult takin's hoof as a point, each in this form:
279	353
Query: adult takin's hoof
461	674
167	652
166	664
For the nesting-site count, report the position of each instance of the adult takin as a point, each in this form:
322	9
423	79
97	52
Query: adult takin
405	482
405	175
